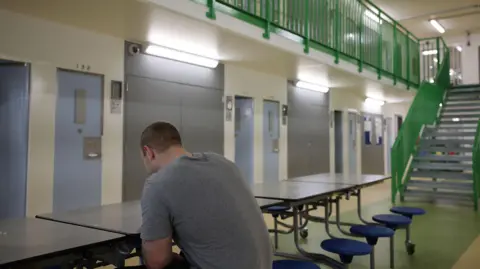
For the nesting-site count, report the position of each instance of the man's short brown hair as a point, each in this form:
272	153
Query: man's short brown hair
160	136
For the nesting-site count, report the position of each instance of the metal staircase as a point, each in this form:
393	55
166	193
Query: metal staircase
442	167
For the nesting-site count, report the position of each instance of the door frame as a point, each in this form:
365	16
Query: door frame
27	143
279	133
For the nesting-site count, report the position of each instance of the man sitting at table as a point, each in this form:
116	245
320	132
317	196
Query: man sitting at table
202	202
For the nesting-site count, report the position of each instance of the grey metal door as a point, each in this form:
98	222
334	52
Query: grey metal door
308	132
271	136
78	141
14	108
338	131
372	146
196	112
244	137
352	142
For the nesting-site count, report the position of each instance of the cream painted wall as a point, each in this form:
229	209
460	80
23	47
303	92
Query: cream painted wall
470	57
259	86
48	46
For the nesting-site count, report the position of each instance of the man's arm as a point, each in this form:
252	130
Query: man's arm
157	254
156	231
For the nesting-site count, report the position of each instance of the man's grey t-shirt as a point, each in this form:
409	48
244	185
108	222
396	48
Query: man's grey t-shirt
204	203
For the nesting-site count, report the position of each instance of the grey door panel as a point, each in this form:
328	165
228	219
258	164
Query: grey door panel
188	96
308	132
373	154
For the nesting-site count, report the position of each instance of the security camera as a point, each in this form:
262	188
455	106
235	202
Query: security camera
134	49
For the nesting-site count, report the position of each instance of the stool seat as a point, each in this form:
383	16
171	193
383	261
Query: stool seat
346	248
372	232
294	264
392	221
278	208
408	211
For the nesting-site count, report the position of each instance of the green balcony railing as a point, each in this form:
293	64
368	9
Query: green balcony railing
476	166
423	111
351	30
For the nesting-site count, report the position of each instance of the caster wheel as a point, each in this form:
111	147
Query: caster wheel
304	233
410	248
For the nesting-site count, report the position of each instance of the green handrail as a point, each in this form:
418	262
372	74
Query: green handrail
350	30
423	111
476	166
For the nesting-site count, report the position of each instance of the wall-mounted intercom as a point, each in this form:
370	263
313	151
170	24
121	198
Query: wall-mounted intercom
228	108
116	97
284	114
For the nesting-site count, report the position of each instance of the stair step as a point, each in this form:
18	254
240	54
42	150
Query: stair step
473	88
461	111
447	128
463	97
459	122
440	158
445	149
439	195
442	175
438	133
460	116
446	142
442	166
466	103
461	186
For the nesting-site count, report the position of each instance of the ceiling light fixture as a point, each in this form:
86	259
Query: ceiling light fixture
373	102
373	15
459	48
311	86
429	52
437	26
181	56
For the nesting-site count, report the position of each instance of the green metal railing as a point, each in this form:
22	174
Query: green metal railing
351	30
423	111
476	166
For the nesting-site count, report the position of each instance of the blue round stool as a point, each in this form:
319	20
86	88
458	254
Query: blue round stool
393	222
346	248
408	212
293	264
372	233
275	211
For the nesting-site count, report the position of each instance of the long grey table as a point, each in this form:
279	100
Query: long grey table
296	191
122	218
30	240
356	180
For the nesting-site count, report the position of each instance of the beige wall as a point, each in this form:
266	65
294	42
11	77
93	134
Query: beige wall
259	86
48	46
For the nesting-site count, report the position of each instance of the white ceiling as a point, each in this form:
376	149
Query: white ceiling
456	16
144	22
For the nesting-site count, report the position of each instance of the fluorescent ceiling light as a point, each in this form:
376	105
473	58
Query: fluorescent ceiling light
459	48
181	56
455	119
437	26
374	102
373	16
435	60
429	52
311	86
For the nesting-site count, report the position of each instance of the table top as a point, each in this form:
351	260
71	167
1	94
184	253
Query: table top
355	180
122	218
292	191
265	203
27	239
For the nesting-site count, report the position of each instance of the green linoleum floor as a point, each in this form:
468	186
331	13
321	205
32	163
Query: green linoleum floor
441	237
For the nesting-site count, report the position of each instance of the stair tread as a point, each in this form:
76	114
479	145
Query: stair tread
442	175
450	133
441	166
456	186
432	157
445	149
439	194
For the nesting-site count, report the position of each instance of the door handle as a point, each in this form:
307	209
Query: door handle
275	145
